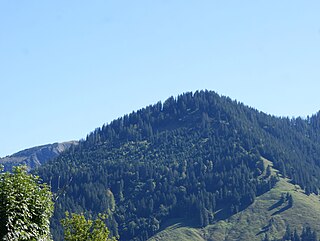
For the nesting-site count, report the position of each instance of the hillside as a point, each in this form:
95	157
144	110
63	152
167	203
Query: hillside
265	216
35	156
198	157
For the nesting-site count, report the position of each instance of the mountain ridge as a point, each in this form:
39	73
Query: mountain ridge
186	158
35	156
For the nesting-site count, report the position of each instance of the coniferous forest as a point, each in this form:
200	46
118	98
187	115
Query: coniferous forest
197	156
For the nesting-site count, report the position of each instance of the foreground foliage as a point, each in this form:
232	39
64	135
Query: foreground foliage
25	206
78	228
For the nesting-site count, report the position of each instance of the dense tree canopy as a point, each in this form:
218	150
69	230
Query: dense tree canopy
188	157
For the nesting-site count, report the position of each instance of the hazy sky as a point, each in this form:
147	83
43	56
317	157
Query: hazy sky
67	67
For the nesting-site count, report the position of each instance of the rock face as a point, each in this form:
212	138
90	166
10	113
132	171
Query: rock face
35	156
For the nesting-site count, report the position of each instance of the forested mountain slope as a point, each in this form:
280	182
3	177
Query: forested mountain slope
35	156
198	156
272	214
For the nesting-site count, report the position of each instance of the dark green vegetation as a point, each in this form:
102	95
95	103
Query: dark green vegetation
25	206
35	156
269	215
199	156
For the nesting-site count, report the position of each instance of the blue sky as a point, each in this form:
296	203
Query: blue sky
67	67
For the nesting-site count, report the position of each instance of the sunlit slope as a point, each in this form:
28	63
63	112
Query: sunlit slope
178	232
35	156
265	215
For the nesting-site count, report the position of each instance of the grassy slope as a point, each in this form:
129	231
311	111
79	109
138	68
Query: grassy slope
263	216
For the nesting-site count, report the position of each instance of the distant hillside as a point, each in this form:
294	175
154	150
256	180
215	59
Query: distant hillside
266	216
199	157
35	156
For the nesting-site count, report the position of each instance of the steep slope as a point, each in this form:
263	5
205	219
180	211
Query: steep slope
36	156
267	215
197	156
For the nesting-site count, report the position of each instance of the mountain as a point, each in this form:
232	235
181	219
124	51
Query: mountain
35	156
192	164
